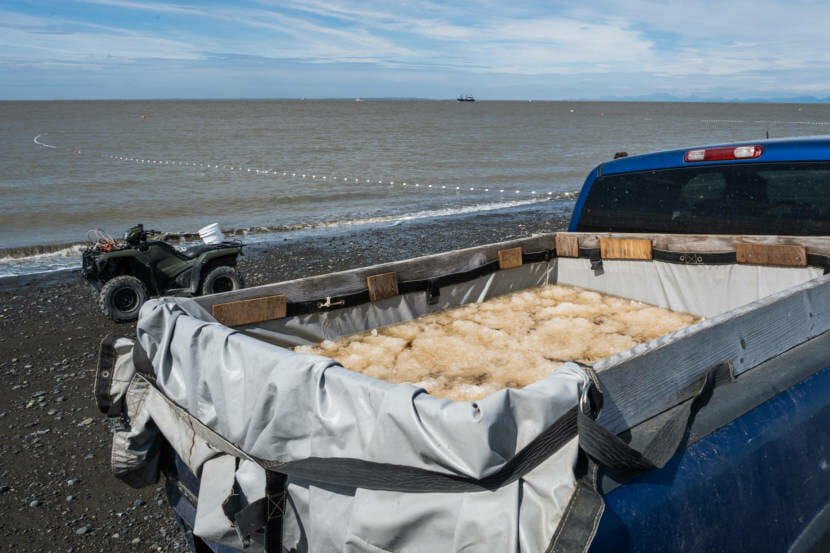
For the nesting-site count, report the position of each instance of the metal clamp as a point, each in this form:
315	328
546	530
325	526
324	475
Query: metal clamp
691	259
329	303
585	406
590	405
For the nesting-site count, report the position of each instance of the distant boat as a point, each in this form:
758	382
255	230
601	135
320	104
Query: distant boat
358	99
467	98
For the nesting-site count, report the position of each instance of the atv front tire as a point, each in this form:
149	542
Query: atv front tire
121	298
223	278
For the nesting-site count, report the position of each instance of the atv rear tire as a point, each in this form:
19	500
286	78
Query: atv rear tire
121	298
223	278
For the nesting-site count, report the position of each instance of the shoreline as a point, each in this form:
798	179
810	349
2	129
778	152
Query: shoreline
256	243
55	481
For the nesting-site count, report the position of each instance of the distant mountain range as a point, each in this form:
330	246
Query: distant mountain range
656	97
661	97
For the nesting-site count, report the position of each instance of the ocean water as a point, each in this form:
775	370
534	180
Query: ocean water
266	168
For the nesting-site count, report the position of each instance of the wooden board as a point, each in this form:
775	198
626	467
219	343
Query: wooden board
510	258
768	254
567	245
382	286
624	248
243	312
353	280
706	243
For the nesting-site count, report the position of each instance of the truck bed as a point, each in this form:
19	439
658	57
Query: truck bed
502	472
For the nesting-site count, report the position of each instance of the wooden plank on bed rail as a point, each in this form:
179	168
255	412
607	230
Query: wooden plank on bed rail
624	248
510	258
256	310
382	286
567	245
769	254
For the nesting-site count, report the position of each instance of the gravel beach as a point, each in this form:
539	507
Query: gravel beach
56	491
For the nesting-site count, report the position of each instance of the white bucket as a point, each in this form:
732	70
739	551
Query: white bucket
211	234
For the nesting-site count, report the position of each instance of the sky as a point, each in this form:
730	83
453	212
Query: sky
523	50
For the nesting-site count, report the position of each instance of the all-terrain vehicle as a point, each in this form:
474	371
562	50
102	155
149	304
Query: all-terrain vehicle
127	272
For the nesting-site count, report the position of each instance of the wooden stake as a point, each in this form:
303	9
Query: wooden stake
510	258
625	248
768	254
567	245
382	286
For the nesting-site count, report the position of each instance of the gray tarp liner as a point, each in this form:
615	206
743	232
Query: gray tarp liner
277	405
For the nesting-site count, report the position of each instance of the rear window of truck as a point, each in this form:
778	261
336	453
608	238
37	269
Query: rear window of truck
745	198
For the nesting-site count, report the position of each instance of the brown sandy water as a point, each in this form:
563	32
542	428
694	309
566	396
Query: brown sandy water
469	352
281	149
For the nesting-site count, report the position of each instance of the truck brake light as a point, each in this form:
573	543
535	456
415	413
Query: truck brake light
721	154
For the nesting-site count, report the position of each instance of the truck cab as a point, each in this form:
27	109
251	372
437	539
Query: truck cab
769	187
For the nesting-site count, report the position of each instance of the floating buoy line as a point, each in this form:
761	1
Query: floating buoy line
817	123
320	178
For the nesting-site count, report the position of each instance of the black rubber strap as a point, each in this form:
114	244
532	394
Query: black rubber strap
432	286
686	258
538	257
358	473
725	258
314	306
610	451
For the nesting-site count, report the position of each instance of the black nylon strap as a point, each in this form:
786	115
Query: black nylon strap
816	260
142	362
590	253
384	476
275	495
595	256
250	521
610	451
580	521
103	376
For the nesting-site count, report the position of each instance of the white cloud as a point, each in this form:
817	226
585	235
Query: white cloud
669	44
87	46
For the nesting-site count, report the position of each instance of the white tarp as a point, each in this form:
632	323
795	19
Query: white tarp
278	405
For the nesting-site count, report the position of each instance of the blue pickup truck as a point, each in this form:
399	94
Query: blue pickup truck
756	473
715	437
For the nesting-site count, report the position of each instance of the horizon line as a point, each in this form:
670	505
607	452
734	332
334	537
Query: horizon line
644	99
